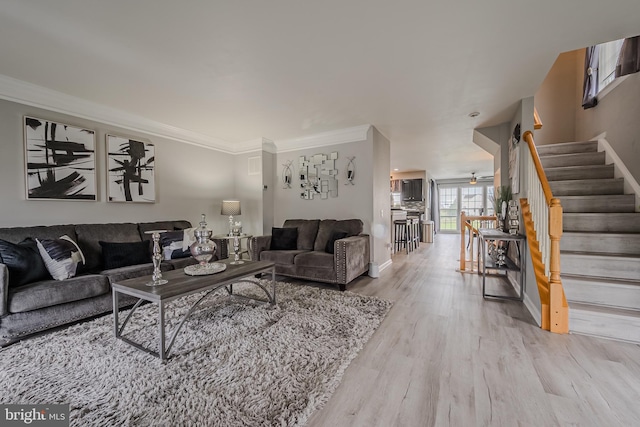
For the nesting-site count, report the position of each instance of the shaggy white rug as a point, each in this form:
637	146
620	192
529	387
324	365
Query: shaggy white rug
235	362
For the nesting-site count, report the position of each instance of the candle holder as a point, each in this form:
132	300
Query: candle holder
156	277
236	251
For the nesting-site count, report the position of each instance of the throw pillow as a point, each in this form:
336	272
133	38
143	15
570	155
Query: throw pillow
171	243
284	238
336	235
188	238
61	256
116	254
23	261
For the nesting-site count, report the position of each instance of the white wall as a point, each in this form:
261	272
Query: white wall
189	180
367	200
269	182
617	114
559	100
248	189
556	101
380	229
523	116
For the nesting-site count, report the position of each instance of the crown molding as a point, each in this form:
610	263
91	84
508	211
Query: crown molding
250	146
38	96
340	136
41	97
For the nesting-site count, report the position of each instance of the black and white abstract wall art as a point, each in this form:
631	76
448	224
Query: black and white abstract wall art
60	161
131	170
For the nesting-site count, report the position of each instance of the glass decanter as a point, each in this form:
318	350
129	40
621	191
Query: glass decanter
203	249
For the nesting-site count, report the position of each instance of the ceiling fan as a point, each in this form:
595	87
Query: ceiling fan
474	179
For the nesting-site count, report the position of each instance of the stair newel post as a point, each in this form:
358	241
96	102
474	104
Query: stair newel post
463	228
558	305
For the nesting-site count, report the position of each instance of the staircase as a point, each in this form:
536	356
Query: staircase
600	246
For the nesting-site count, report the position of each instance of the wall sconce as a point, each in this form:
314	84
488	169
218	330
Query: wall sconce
350	171
287	174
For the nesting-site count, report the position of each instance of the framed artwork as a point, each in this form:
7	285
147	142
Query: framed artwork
60	161
130	170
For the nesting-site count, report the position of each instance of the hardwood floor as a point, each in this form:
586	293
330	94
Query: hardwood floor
446	357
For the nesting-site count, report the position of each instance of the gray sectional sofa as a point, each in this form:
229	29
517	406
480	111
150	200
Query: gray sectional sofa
339	262
44	304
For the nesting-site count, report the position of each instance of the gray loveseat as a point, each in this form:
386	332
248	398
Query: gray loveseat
44	304
311	258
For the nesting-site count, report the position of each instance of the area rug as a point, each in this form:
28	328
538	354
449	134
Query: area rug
235	362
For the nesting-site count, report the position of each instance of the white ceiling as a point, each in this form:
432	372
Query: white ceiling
241	70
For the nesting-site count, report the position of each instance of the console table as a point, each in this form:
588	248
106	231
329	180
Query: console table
488	235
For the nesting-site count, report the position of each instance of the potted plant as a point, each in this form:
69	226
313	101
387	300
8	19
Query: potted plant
501	198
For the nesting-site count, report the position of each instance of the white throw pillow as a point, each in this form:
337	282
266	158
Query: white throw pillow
188	239
61	256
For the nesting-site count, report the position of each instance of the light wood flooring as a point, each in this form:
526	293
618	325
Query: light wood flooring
445	357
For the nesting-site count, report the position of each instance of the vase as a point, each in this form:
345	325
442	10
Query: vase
203	249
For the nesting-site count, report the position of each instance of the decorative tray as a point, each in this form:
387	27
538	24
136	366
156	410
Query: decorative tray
199	270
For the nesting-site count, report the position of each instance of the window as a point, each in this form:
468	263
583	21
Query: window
489	201
474	200
608	57
449	208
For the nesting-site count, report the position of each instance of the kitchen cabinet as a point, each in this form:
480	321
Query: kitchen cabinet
412	190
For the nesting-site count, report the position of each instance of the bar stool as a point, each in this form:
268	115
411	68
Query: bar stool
415	233
401	232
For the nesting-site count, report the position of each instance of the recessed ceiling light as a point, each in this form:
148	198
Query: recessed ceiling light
396	169
474	114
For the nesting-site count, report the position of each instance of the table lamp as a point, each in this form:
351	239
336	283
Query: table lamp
231	208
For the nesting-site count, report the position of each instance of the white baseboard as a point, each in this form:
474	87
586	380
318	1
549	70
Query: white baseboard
375	269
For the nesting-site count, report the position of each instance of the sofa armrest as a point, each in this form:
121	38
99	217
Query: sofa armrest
351	257
4	290
258	244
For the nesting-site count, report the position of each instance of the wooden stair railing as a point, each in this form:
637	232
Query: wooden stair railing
542	214
537	124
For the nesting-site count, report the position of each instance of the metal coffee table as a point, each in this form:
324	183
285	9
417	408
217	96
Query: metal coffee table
181	285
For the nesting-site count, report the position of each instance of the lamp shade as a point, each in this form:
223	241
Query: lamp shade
230	207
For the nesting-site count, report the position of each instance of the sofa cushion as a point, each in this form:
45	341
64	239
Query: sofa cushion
352	227
131	271
337	235
315	259
117	254
284	239
145	227
47	293
181	224
61	256
18	234
90	234
280	257
307	231
23	261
